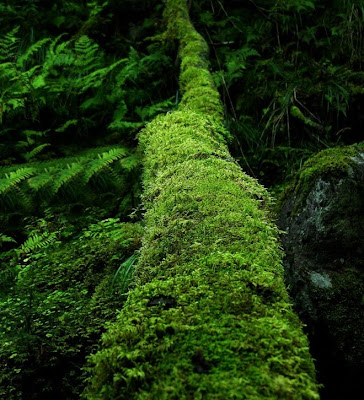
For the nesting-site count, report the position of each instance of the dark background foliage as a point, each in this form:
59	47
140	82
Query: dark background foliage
290	74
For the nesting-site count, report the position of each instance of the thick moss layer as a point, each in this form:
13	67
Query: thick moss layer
210	317
331	163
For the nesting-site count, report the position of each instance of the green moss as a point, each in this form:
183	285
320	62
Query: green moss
330	163
196	83
55	313
297	113
210	317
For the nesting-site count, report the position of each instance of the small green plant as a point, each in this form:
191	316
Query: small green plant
124	274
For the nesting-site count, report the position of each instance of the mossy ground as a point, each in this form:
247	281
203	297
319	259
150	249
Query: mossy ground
53	315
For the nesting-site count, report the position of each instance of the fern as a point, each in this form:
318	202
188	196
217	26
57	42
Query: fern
40	181
66	125
26	76
236	63
33	153
87	54
31	51
95	78
15	178
66	175
15	79
36	241
9	45
6	239
129	163
73	172
7	70
147	113
30	133
103	161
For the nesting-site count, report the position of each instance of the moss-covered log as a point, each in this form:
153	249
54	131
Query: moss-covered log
210	317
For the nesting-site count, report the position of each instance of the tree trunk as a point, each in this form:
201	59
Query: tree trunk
210	317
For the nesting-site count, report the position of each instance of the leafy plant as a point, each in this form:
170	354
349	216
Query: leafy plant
288	72
55	310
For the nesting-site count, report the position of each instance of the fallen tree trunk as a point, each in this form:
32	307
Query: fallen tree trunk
210	317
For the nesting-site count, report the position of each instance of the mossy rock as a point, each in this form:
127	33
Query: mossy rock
323	215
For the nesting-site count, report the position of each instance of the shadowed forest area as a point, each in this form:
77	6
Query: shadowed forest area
147	150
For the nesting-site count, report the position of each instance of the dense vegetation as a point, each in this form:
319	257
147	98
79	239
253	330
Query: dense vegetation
78	81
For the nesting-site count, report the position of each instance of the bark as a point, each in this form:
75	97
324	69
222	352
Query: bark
210	317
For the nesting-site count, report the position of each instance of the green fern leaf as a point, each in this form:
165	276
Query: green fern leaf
96	78
9	45
129	163
7	70
35	151
39	181
29	133
28	75
6	239
67	124
124	125
87	56
15	178
36	241
66	175
33	49
104	160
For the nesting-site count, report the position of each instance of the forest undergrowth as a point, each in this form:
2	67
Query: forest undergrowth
78	82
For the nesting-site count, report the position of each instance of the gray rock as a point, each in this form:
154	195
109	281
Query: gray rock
323	215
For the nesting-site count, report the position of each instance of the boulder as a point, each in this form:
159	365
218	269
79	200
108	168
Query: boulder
323	216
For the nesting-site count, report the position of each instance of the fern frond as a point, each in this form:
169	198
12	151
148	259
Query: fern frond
96	78
68	123
129	163
87	56
62	46
104	160
7	70
33	49
67	175
15	178
6	239
236	63
29	133
36	241
46	179
147	113
27	75
9	45
53	45
124	125
39	181
52	55
31	154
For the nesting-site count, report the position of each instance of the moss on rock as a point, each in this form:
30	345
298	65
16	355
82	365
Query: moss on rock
209	317
330	163
324	245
